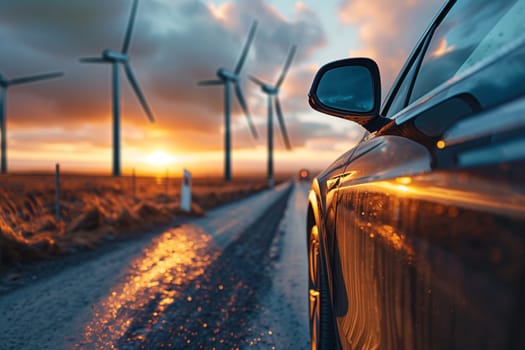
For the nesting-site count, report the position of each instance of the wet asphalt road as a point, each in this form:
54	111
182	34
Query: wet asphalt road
236	279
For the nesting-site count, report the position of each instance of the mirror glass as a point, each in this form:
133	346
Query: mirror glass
347	88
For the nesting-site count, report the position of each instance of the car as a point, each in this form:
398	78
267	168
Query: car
304	175
416	235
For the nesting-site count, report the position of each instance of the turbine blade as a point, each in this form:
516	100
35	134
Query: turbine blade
138	92
93	60
257	81
127	38
33	78
286	66
281	123
244	107
210	82
240	63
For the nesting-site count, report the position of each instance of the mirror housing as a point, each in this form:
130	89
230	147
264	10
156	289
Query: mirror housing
349	89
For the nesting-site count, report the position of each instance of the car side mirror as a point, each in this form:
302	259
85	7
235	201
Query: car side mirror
349	88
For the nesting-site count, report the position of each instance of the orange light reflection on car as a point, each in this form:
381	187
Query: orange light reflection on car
396	240
441	144
471	193
405	180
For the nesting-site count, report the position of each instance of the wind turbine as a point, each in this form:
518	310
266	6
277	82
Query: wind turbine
273	96
115	58
4	84
226	77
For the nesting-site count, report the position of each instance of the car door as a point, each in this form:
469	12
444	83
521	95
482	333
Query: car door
430	217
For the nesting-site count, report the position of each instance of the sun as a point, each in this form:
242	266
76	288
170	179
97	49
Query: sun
160	158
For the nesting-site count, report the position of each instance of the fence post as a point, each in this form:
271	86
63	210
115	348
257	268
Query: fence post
167	181
57	187
133	184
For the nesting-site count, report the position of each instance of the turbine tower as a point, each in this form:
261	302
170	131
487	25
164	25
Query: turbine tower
273	96
116	58
4	84
226	77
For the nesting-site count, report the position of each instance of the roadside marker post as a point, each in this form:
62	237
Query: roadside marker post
185	194
57	189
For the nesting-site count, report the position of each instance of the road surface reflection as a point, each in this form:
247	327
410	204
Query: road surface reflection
187	290
153	282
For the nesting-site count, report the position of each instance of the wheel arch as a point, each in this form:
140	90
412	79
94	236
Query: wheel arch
327	331
314	209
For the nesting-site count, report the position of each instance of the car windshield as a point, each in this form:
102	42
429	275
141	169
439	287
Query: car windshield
472	32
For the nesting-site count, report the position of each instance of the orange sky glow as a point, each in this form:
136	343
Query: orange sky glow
174	45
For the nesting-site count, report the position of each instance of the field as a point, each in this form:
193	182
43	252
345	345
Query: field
94	209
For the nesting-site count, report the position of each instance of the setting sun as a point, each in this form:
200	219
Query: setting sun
160	158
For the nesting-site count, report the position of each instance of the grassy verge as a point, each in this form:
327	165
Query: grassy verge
94	210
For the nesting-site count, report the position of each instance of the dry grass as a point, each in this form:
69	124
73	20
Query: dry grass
94	209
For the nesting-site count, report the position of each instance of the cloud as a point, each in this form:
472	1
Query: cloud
388	30
174	45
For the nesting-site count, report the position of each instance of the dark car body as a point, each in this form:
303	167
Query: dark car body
416	236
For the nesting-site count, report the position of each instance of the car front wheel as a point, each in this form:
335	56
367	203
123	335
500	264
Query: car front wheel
321	324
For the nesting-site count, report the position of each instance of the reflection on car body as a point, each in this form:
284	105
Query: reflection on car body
416	236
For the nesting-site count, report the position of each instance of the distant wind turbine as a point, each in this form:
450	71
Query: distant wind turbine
4	84
273	91
115	58
226	78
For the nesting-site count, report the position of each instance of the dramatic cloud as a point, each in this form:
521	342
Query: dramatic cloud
175	44
388	30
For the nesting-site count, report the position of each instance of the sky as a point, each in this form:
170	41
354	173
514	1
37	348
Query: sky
175	44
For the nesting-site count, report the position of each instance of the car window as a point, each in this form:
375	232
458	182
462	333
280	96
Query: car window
399	93
471	32
400	99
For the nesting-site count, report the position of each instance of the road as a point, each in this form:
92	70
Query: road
234	279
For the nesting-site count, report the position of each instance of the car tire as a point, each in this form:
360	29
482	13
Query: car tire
321	319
